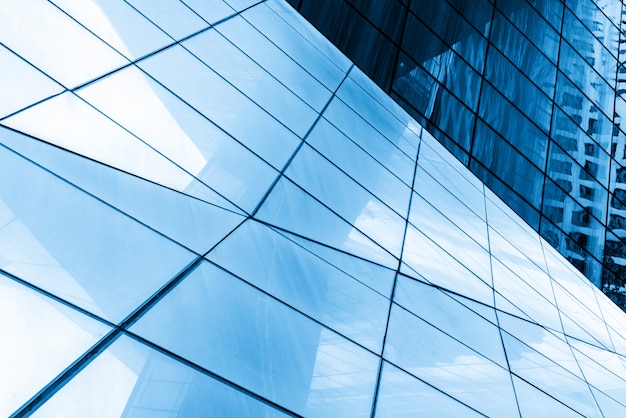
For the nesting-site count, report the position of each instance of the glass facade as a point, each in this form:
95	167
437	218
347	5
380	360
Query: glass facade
526	93
207	210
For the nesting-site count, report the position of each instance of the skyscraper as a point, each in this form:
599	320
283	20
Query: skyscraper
207	210
527	94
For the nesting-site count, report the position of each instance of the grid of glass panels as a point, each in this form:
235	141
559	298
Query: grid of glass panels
526	93
217	214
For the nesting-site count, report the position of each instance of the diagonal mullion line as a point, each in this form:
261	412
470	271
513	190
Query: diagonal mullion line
78	365
293	154
395	282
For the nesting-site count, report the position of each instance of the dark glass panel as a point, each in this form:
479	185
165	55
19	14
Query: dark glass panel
509	122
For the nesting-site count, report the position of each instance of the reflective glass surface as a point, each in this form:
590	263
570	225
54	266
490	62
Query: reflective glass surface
239	222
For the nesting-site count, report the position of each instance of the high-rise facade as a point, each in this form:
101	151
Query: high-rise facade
526	93
207	210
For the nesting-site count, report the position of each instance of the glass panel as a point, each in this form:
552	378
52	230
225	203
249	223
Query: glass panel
524	95
239	333
589	48
534	403
290	208
374	276
426	259
117	24
586	79
76	247
359	165
523	54
367	137
305	281
509	163
455	210
448	365
172	16
70	123
251	79
187	220
450	237
41	338
308	32
524	297
275	61
454	30
61	48
550	344
402	395
131	380
211	12
450	174
217	100
449	316
515	128
530	271
350	201
530	23
396	126
549	377
602	369
293	35
182	135
21	84
583	111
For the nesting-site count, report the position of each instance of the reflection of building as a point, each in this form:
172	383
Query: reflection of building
207	210
522	92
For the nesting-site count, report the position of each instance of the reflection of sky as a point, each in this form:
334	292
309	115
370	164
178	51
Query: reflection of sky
19	247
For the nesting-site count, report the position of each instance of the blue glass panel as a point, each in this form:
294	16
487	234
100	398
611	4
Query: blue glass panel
21	84
181	134
514	126
172	16
375	276
189	221
361	166
78	248
402	395
523	54
131	380
252	80
450	237
305	281
212	12
530	23
424	258
201	88
533	402
292	34
371	140
395	124
233	330
551	345
516	87
70	123
60	46
459	214
117	24
446	314
275	61
334	189
290	208
41	338
514	295
570	389
448	365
